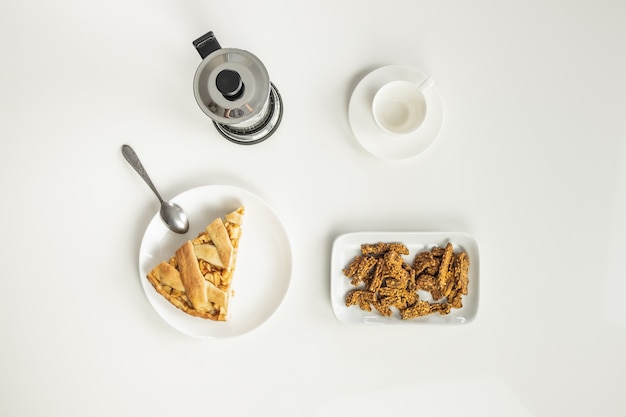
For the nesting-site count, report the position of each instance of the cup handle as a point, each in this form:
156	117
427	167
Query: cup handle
206	44
426	84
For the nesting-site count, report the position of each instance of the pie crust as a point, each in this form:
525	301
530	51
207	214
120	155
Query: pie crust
197	278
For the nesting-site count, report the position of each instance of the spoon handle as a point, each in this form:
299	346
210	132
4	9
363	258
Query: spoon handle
134	162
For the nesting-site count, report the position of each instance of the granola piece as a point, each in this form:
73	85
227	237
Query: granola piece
458	282
433	270
400	298
359	269
394	265
390	292
377	279
456	300
354	296
463	280
365	305
382	308
399	248
395	301
410	284
381	248
460	266
396	283
423	261
400	302
437	251
396	278
428	261
441	308
390	272
351	269
373	249
411	298
429	283
365	267
450	288
444	268
421	308
361	298
455	273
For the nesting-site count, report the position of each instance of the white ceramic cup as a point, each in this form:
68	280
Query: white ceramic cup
399	107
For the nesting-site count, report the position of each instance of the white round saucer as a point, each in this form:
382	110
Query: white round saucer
371	136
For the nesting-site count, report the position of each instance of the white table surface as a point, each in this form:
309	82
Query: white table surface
531	161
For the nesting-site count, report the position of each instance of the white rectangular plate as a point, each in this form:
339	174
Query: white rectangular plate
346	247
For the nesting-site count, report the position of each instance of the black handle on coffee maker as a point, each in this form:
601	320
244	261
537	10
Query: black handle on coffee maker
206	44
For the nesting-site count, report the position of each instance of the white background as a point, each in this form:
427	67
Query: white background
531	161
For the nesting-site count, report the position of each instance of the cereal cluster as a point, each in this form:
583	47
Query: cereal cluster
384	280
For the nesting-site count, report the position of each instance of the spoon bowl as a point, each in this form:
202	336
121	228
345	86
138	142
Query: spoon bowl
172	214
174	217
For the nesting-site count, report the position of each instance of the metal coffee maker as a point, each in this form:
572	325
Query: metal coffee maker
233	88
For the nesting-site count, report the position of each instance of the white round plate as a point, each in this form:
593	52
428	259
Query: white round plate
264	260
371	136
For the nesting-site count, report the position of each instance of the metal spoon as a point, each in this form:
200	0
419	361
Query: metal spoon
172	215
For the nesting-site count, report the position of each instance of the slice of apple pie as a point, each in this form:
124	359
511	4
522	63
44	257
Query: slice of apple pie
197	279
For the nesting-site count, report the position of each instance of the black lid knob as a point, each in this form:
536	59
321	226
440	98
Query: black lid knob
229	83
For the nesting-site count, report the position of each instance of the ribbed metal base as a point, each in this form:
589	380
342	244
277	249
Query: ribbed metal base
261	131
